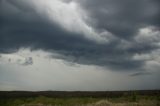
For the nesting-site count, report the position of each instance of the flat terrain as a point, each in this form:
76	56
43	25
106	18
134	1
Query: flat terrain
60	98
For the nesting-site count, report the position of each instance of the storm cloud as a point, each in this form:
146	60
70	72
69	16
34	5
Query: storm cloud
108	33
140	74
123	18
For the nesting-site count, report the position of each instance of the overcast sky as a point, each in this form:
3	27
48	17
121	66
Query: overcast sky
78	45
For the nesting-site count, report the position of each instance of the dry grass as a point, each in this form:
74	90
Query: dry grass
140	103
107	103
132	100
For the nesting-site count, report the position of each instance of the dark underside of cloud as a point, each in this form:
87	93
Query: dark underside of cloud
140	74
122	18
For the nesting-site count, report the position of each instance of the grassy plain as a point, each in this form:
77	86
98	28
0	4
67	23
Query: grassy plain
122	98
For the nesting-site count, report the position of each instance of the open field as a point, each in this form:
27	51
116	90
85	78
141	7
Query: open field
50	98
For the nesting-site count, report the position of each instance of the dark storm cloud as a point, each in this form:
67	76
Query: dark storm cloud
140	74
25	28
123	17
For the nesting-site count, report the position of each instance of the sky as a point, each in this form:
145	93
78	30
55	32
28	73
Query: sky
79	45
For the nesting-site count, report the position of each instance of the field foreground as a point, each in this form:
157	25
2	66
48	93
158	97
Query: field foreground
105	103
122	98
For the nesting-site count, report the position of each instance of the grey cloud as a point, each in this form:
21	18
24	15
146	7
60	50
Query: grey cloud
9	60
24	28
28	61
125	17
140	74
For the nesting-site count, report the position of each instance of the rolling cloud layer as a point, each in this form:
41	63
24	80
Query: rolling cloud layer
120	35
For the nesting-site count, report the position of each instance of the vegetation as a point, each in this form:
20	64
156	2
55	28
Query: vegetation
82	99
47	101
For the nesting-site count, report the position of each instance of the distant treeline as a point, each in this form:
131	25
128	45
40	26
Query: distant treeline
62	94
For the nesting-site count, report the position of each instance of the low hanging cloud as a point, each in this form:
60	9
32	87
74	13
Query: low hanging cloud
106	33
28	61
140	74
16	59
